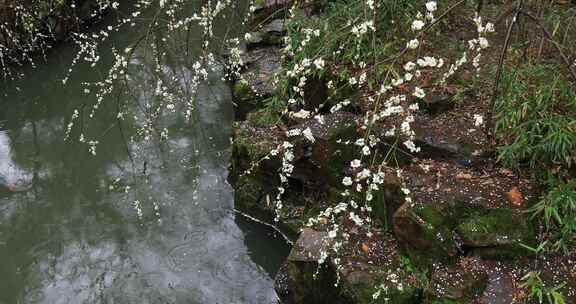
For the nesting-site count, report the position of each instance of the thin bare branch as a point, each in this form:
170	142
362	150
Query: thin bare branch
489	127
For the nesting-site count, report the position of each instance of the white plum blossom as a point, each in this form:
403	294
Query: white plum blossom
489	28
411	146
483	42
294	132
413	44
319	63
409	66
364	174
478	120
431	6
408	76
332	233
419	93
302	114
361	29
366	150
356	219
355	163
370	4
308	135
417	25
427	61
397	82
347	181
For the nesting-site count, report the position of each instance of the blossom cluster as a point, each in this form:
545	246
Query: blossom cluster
397	99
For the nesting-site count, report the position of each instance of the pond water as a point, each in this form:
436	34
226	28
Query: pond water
142	221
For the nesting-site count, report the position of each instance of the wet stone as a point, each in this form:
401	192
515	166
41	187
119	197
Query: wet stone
442	147
309	246
267	8
303	279
316	95
500	288
275	26
364	278
457	284
271	34
261	65
437	102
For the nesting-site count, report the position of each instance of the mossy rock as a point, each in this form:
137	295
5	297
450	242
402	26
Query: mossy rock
390	285
358	281
251	144
263	118
426	231
310	284
497	233
245	100
241	91
333	153
386	201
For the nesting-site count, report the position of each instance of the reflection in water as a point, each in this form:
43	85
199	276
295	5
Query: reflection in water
156	227
10	174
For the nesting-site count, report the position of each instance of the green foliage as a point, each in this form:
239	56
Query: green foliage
267	116
557	209
562	28
537	118
422	274
538	291
537	122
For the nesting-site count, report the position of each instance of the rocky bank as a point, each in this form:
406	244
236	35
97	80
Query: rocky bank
463	238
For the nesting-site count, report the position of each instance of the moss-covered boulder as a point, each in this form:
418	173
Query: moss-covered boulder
252	145
439	231
497	233
361	278
390	284
426	230
334	149
386	201
245	100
